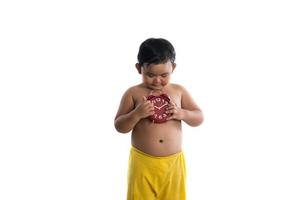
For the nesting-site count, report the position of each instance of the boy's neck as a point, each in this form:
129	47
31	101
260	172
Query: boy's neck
153	89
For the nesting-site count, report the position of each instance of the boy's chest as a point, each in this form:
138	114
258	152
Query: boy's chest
174	97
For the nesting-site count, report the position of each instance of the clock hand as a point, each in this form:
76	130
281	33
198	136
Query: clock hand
163	106
157	107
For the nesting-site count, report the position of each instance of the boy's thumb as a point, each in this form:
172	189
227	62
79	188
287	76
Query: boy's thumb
144	98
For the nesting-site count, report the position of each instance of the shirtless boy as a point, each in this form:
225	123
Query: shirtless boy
153	111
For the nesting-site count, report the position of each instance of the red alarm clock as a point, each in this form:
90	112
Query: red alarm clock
160	103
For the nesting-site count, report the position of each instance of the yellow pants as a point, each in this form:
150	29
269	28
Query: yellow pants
156	178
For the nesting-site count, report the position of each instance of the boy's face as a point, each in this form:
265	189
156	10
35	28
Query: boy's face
156	76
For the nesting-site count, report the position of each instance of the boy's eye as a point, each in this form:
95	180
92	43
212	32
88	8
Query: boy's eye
164	75
150	75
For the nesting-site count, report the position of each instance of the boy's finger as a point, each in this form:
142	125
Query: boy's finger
171	117
149	103
170	107
150	106
169	111
144	98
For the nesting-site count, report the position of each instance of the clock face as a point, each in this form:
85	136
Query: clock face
160	107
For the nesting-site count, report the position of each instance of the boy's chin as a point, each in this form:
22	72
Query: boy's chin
155	87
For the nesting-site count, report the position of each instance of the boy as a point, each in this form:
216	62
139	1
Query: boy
153	111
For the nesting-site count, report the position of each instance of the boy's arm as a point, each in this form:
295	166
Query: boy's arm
125	118
192	114
125	123
189	112
128	115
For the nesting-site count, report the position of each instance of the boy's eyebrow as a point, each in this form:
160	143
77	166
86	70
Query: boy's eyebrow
150	73
159	74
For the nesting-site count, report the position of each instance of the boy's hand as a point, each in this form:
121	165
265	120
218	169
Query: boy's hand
144	109
175	111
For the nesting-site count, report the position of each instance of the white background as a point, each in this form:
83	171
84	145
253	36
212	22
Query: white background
65	65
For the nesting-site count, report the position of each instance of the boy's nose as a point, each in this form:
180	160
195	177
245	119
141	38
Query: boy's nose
157	80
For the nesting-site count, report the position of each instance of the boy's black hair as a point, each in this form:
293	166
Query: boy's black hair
156	51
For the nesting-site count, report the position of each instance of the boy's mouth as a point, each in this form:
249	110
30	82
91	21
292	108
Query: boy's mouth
156	87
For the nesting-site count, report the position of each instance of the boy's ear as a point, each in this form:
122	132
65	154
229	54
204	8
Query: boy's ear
138	67
174	66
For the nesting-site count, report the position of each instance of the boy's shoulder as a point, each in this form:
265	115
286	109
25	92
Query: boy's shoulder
177	87
134	89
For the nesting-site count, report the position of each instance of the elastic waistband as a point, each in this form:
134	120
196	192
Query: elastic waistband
135	150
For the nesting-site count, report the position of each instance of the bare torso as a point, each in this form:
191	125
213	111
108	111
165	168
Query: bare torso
161	139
